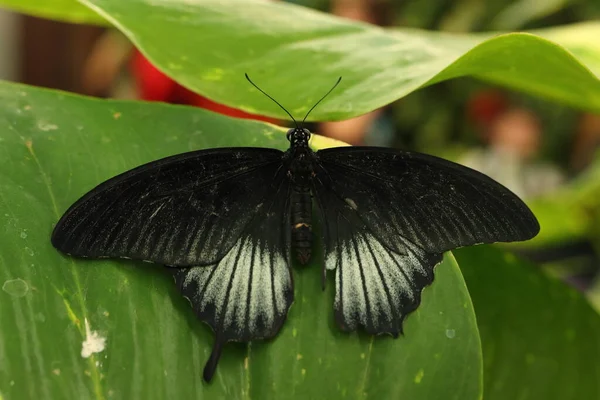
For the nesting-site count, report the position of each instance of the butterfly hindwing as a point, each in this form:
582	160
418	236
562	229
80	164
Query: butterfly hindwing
387	218
376	286
246	295
188	209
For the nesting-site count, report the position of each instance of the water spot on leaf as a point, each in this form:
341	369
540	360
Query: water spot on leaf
16	287
93	343
419	376
46	126
450	333
510	258
214	75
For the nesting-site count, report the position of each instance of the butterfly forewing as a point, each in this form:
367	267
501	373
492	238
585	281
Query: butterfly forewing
436	204
387	218
189	209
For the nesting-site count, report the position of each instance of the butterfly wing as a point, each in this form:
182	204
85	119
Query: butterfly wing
246	295
185	210
389	215
220	216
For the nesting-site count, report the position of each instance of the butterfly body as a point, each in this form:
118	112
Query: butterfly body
301	163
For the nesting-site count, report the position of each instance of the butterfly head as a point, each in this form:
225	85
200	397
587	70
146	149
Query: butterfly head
298	137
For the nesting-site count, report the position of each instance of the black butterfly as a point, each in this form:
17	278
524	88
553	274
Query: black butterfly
228	218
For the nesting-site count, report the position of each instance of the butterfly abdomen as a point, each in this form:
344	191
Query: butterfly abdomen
301	223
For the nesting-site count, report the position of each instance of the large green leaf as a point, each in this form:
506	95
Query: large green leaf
540	338
296	54
56	146
62	10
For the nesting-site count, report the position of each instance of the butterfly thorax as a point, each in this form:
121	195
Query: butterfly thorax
300	159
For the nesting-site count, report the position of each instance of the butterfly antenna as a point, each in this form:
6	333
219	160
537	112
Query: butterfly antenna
326	94
275	101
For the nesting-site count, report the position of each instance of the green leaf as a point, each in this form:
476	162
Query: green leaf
539	336
296	55
54	147
61	10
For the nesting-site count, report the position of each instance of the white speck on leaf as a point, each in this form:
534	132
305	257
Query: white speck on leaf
450	333
93	343
23	235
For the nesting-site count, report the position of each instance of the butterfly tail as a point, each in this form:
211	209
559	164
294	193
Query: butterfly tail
213	360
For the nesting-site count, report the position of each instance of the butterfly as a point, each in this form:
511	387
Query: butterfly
227	220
